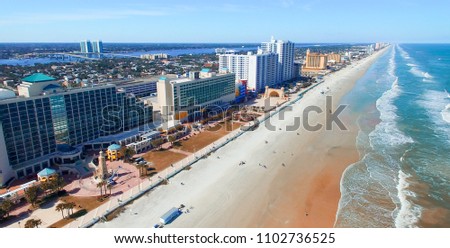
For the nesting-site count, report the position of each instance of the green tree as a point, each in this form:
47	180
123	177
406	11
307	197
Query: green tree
60	208
32	223
154	143
157	142
2	213
31	195
57	183
45	186
128	153
172	138
6	206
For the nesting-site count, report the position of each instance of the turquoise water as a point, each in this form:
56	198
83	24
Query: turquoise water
403	112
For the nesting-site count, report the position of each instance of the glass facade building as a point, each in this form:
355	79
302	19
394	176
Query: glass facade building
186	98
33	127
86	46
199	92
97	46
28	130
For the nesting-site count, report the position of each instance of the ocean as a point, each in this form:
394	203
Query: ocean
402	108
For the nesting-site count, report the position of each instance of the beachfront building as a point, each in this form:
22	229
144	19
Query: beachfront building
258	70
315	63
262	71
271	65
334	58
38	130
181	98
139	89
286	55
235	63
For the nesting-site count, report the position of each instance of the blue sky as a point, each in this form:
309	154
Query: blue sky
300	21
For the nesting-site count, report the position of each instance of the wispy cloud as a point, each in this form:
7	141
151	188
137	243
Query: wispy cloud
80	15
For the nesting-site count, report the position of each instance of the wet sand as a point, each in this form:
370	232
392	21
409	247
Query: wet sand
304	192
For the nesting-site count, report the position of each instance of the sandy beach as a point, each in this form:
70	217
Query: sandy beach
289	179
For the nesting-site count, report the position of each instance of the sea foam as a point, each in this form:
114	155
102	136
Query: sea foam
415	70
418	73
446	113
409	213
387	129
403	53
437	105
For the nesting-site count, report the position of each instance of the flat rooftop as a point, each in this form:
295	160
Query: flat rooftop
181	80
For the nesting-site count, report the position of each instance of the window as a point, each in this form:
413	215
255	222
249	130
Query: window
20	174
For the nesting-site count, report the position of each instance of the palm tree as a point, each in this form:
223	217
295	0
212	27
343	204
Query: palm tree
31	195
105	185
69	206
110	186
60	208
100	185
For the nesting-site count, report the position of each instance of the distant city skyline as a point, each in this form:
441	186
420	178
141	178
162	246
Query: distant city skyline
200	21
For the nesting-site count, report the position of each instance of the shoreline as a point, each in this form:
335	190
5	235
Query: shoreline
307	195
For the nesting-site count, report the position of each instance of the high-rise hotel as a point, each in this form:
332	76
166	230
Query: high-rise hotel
258	69
272	64
48	125
285	51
